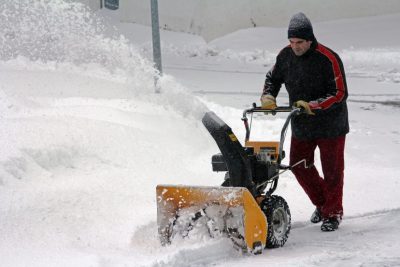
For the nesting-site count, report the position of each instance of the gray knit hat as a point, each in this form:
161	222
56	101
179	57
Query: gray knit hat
300	27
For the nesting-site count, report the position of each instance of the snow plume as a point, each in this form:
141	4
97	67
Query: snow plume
48	30
175	95
63	32
68	37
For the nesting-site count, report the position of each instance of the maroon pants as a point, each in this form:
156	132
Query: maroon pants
325	193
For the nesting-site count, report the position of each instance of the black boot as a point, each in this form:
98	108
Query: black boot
316	216
330	224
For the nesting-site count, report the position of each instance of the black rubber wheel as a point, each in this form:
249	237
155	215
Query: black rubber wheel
278	216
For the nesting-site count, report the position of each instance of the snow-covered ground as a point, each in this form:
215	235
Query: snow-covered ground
85	140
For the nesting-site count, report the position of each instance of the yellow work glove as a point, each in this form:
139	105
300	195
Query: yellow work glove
268	102
305	105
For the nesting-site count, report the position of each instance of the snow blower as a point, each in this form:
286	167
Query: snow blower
243	208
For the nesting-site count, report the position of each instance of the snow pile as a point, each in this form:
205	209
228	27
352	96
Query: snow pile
84	138
61	50
212	19
375	62
255	49
257	56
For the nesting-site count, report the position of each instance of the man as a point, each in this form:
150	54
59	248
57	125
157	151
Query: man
315	80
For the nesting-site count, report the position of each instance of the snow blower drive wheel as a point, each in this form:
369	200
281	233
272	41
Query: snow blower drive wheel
278	216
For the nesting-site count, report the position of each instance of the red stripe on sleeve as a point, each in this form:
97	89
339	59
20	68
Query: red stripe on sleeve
340	87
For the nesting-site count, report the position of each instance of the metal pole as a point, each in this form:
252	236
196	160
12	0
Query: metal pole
156	41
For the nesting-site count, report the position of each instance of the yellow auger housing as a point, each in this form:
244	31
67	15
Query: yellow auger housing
243	220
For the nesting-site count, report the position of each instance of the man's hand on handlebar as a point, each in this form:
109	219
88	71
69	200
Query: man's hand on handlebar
305	106
268	102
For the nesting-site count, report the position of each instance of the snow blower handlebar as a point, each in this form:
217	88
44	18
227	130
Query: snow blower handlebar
292	112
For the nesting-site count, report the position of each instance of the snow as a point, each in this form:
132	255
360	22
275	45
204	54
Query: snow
208	18
85	140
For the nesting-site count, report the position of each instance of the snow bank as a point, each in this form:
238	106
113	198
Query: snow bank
84	137
80	161
212	19
60	49
254	50
382	63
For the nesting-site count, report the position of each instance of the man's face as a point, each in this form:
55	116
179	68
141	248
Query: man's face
299	46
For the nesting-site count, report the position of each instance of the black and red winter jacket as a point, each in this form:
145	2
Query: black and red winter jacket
316	77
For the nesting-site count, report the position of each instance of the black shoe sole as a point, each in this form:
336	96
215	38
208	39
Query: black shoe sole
328	229
329	226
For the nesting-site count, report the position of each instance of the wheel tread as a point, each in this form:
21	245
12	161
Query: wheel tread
270	204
